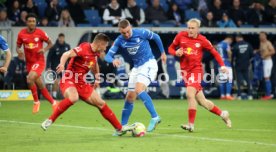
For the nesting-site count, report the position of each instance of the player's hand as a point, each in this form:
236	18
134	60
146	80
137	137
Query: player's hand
223	69
60	68
41	51
164	58
96	84
116	63
3	69
179	52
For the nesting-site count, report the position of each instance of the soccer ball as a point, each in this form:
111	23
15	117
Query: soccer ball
139	130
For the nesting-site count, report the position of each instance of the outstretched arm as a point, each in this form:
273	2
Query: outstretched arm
65	56
113	50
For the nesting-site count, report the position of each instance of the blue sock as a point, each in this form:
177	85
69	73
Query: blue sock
222	89
267	87
126	112
148	103
228	88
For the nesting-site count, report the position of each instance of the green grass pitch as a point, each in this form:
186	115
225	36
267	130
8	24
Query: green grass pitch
82	129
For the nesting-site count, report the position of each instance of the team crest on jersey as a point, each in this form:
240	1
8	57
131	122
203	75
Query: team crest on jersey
36	39
197	45
137	40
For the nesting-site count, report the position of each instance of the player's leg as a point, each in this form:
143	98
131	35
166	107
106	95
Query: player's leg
128	106
229	84
95	100
222	85
71	96
192	106
130	97
31	77
147	73
209	105
45	92
267	72
55	88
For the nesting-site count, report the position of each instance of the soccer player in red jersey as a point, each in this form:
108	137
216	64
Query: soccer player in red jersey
74	84
32	39
190	46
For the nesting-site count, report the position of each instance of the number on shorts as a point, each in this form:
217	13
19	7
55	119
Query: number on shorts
35	66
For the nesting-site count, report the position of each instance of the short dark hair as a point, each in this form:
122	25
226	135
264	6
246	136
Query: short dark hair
101	37
123	23
31	15
61	35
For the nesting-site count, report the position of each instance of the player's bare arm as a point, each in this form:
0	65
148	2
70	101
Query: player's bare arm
19	50
7	62
65	56
164	57
96	71
43	50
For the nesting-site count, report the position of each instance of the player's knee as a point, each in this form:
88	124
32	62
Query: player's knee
73	98
30	79
131	97
190	96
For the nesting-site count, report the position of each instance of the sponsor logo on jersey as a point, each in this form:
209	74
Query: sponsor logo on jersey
31	45
190	51
133	50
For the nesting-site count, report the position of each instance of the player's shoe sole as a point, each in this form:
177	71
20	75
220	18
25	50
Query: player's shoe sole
226	118
46	124
153	123
188	127
36	107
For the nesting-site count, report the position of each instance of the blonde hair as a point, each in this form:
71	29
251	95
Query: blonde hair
195	20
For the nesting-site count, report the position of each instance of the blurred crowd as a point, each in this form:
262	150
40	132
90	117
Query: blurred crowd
71	13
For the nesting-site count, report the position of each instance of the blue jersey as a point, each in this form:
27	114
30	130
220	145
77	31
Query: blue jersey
223	48
3	44
137	46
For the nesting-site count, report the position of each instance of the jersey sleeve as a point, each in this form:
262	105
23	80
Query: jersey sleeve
208	46
3	44
44	36
174	44
109	56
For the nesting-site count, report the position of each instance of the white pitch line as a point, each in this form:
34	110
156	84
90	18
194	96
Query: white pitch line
231	129
165	135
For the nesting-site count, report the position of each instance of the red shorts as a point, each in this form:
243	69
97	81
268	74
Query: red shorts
84	90
36	67
193	79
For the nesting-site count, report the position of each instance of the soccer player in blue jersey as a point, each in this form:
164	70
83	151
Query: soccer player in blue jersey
224	50
4	47
136	43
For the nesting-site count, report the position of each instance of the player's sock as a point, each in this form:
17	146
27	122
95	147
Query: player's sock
108	114
191	115
126	112
47	95
148	103
216	110
62	106
267	87
34	93
222	89
228	88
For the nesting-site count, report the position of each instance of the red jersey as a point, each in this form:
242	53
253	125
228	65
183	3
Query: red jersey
32	43
193	51
81	64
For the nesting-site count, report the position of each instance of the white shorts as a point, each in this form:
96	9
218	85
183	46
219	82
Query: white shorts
226	76
267	64
145	74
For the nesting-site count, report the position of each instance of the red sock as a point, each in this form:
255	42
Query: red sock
47	95
62	106
216	110
108	114
34	92
192	115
